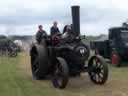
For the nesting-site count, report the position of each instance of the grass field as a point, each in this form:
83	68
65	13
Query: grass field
16	80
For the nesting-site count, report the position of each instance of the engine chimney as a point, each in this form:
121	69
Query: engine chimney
76	20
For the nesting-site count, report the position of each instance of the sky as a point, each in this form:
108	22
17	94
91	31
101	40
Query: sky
22	17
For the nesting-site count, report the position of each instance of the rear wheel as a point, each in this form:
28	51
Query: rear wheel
116	59
35	66
98	70
39	65
60	74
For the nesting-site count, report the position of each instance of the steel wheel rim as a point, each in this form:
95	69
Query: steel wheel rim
97	71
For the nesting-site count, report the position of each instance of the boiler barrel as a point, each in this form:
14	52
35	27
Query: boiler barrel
76	20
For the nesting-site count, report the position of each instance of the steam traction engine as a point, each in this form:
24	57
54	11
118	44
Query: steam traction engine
63	59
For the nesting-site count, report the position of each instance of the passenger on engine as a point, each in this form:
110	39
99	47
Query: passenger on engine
54	29
40	34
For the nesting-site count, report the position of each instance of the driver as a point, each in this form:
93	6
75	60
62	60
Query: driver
67	33
54	29
40	34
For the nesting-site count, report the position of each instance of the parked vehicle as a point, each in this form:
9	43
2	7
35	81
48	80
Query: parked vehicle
7	47
115	47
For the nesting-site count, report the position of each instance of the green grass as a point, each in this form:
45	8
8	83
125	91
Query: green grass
15	81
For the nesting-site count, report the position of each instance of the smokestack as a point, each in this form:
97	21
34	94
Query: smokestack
76	20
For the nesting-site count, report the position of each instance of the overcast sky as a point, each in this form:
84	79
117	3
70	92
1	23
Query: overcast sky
21	17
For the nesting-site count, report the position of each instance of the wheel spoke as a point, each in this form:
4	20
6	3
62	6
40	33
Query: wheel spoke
102	71
101	66
94	77
97	78
101	75
94	63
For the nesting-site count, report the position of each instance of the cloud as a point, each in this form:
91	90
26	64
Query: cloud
22	16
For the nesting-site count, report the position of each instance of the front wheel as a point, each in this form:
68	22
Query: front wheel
60	74
98	69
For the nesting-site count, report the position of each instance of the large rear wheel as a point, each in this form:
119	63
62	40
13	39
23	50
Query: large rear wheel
39	65
98	70
35	66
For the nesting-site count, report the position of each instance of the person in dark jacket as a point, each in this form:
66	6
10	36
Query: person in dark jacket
54	29
40	34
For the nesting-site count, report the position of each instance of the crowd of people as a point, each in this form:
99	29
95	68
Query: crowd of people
54	30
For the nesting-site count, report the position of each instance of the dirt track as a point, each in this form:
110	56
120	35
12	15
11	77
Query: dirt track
25	63
115	86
